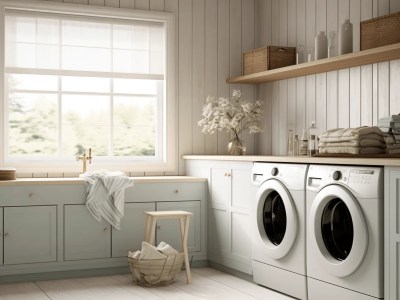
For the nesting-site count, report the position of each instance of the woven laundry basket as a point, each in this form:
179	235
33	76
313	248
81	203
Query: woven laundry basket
155	272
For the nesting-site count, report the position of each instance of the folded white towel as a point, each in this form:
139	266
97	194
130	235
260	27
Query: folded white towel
354	143
348	134
352	150
105	195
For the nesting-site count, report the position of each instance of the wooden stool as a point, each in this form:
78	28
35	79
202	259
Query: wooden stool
183	216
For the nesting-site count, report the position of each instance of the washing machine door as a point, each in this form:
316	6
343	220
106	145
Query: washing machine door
276	218
339	230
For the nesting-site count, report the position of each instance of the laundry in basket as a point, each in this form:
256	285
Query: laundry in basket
153	266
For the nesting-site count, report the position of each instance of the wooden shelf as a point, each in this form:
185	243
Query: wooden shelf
344	61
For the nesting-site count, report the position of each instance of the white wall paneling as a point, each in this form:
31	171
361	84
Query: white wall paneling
346	98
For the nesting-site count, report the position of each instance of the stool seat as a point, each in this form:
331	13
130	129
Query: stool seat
183	217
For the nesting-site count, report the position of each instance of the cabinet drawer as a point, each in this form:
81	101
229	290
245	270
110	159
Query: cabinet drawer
156	192
41	194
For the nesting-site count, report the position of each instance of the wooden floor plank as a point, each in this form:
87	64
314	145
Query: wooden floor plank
207	284
19	291
104	287
244	286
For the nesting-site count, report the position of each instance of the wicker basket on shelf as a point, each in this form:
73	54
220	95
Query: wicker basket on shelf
155	272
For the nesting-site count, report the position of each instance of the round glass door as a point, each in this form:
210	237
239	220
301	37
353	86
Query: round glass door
337	229
274	218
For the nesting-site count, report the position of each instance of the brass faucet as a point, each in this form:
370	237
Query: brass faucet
85	158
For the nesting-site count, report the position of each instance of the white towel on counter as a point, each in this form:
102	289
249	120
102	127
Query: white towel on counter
352	150
350	134
355	143
105	195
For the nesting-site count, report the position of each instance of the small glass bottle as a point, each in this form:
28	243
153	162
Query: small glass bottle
312	141
304	143
296	145
290	143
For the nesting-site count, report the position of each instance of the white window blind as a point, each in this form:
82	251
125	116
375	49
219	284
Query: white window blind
74	82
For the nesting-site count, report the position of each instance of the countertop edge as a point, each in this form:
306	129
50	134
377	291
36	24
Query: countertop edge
71	181
299	159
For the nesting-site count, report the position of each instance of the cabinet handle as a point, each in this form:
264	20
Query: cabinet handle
158	226
176	191
31	195
229	174
226	174
105	229
5	234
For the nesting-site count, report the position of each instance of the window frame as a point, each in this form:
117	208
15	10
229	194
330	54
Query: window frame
168	162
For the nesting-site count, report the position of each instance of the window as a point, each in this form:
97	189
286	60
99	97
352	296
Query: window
79	80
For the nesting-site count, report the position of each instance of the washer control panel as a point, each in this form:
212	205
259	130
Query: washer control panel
361	176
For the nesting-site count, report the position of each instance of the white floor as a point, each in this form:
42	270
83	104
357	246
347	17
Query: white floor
207	284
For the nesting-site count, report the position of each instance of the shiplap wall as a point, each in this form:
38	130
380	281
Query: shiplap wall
212	34
346	98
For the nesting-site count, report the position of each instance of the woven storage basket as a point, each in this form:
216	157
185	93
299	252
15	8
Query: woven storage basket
380	31
154	272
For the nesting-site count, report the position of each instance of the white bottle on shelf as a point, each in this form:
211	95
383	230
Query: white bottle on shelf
321	45
346	37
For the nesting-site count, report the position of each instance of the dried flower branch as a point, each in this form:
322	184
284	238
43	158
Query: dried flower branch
234	115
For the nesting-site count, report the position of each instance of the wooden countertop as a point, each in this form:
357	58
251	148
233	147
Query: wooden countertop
148	179
376	161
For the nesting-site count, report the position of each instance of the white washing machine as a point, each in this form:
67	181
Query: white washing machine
278	228
345	232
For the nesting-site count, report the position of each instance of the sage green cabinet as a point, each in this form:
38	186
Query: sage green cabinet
131	234
230	196
84	236
30	234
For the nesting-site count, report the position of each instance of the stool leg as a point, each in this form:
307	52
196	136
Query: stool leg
149	219
184	224
153	231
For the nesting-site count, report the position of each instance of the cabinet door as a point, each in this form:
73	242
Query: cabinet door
84	236
30	234
133	225
219	229
168	230
243	195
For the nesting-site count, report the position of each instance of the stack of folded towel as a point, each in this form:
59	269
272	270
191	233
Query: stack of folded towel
360	140
391	127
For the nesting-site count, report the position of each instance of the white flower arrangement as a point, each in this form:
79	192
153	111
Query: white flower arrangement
234	115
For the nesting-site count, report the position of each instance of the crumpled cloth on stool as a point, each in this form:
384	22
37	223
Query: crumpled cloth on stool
105	195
